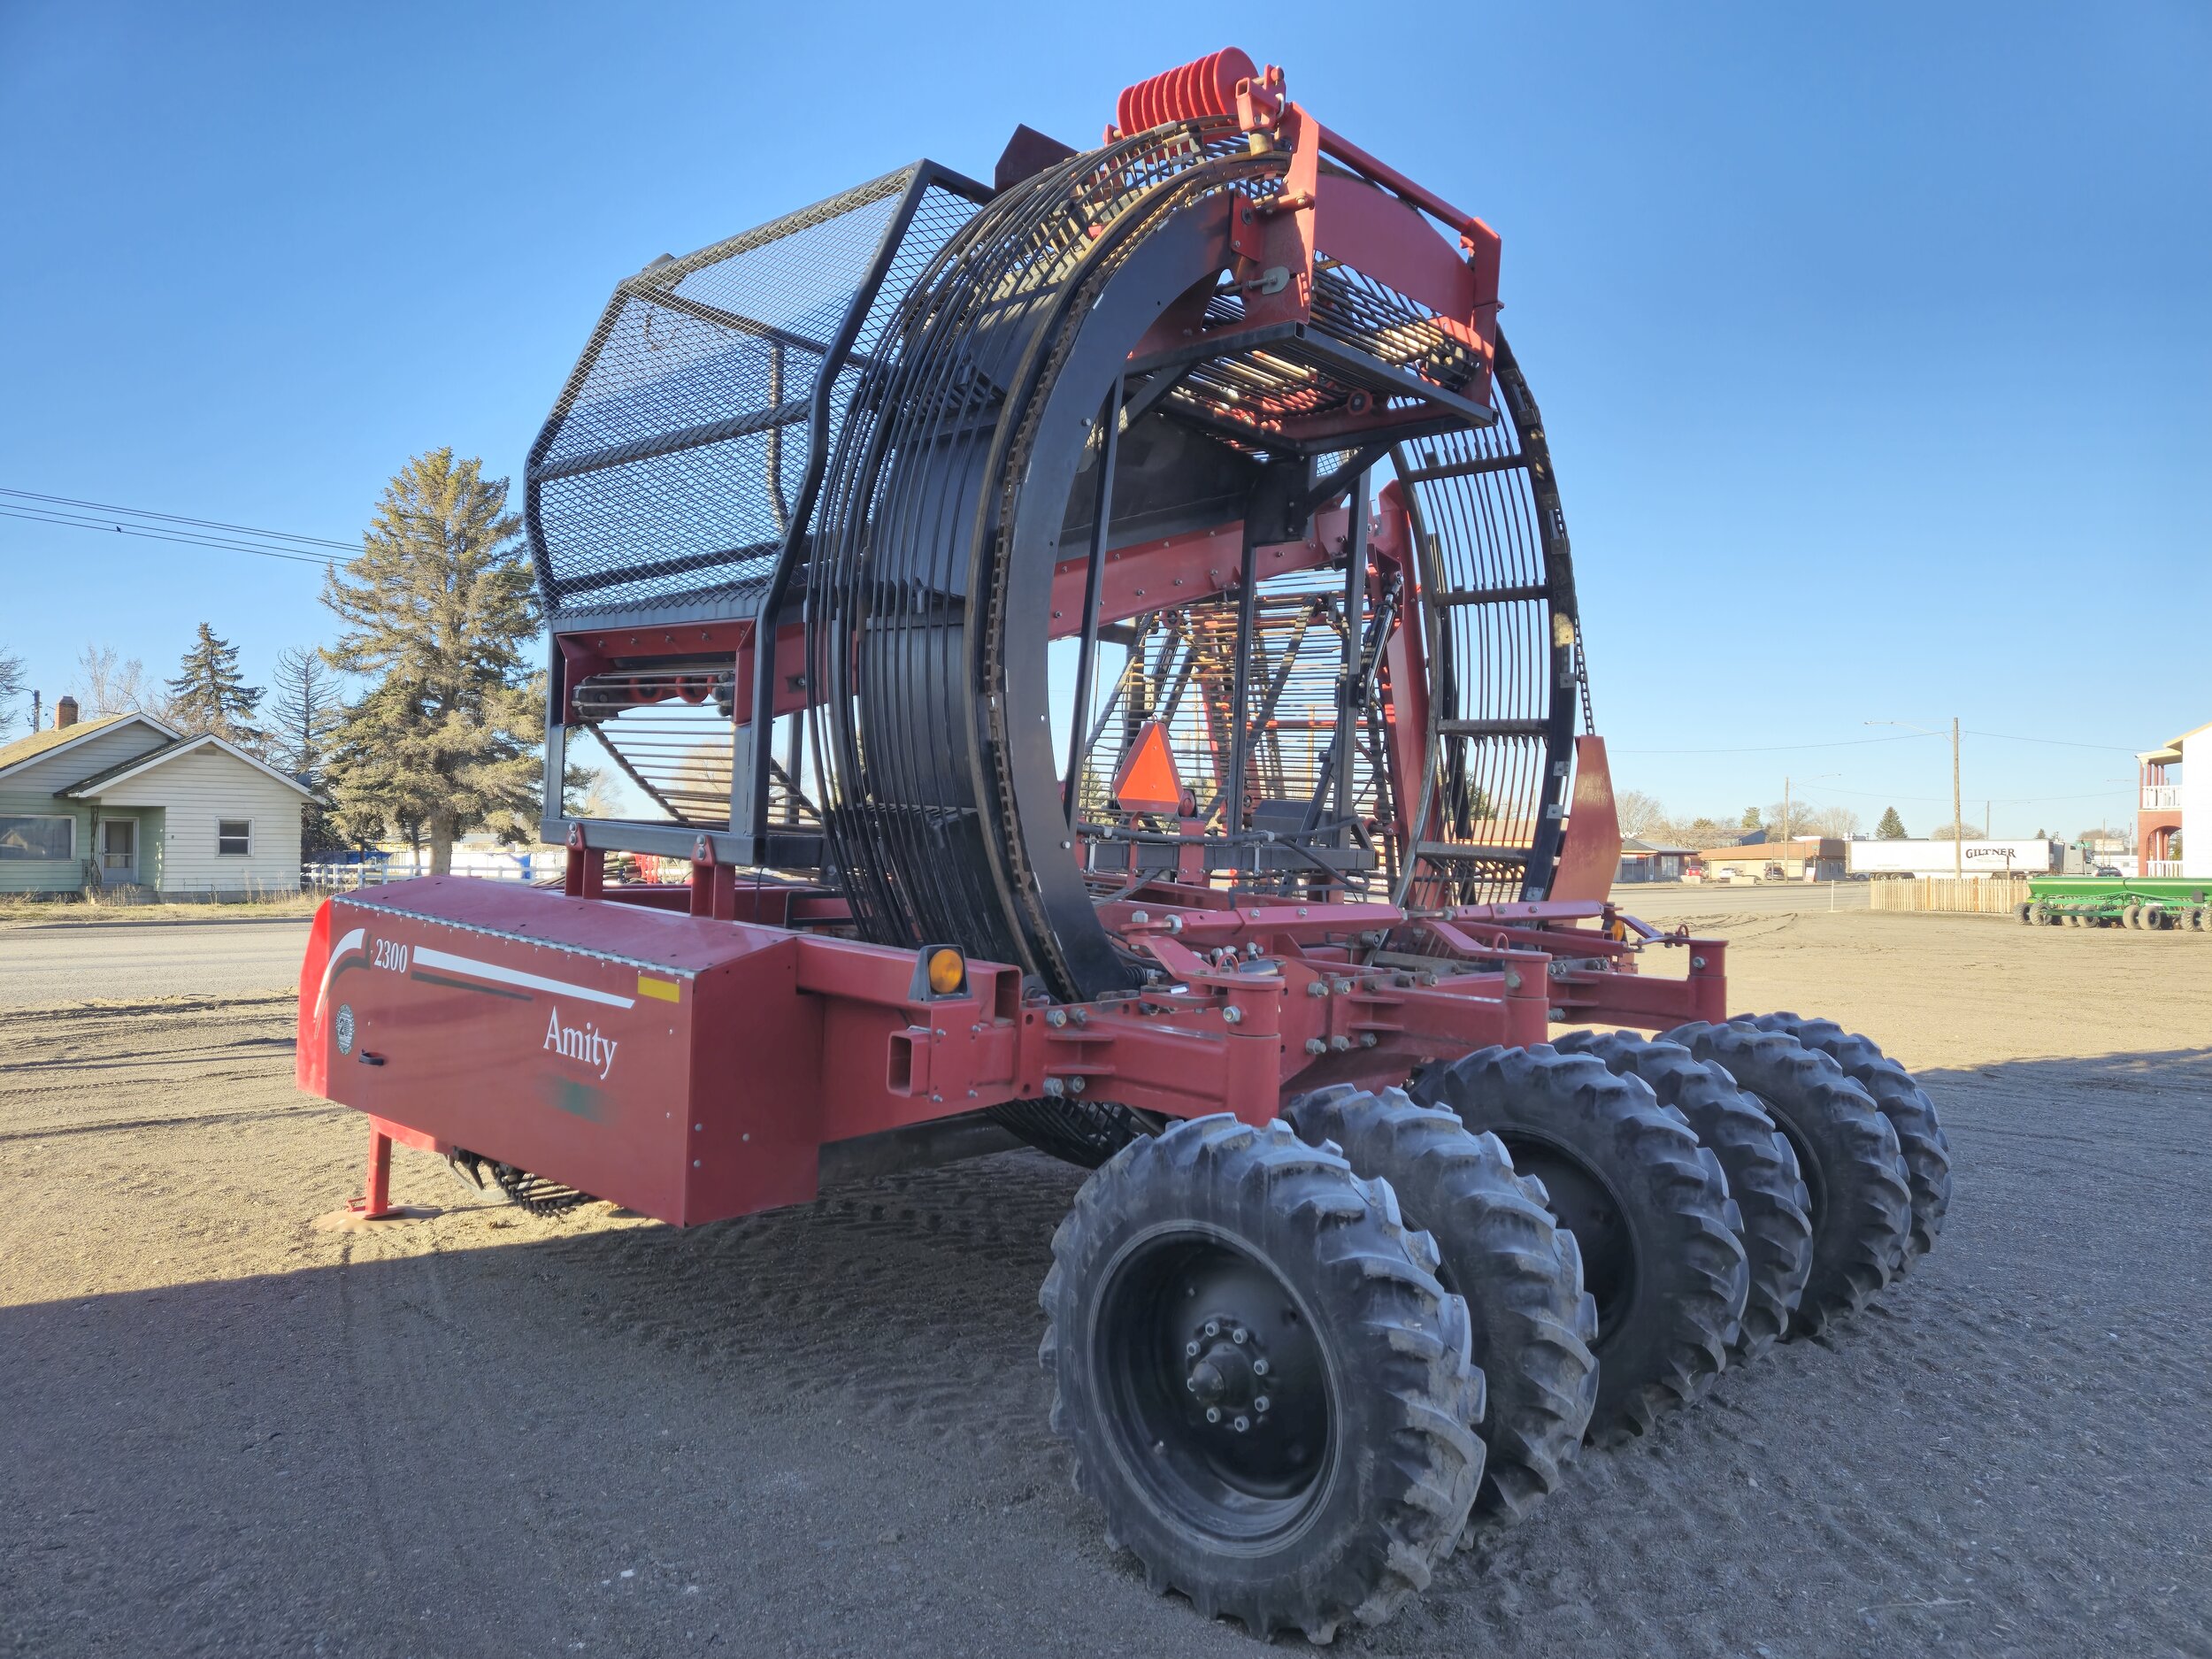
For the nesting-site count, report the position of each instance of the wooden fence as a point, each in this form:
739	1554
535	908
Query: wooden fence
1987	896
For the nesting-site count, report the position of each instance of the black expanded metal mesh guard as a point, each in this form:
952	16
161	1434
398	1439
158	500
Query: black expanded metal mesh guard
675	461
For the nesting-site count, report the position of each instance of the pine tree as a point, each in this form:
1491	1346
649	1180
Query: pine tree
440	608
209	693
1892	828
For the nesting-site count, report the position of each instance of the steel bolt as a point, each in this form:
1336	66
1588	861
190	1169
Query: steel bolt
1056	1018
1260	1404
1213	1414
1697	962
1237	1333
1243	1424
1259	1368
1340	1043
1314	1045
1232	1015
1190	1350
1213	1327
1139	916
1315	989
1367	1040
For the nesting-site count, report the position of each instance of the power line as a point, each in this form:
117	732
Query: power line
2060	742
75	522
1945	800
1776	748
170	517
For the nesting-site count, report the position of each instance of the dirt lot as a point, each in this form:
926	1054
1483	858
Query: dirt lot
823	1431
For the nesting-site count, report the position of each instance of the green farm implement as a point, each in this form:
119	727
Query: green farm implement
2165	903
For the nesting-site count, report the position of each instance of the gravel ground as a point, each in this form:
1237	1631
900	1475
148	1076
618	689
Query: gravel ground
823	1430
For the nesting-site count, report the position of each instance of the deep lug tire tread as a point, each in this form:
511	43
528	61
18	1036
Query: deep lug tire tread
1520	1273
1920	1136
1862	1202
1402	1495
1763	1173
1692	1277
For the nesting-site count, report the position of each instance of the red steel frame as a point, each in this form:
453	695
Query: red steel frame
747	1035
491	1017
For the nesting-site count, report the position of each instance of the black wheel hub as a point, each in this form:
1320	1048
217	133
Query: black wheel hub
1217	1387
1581	1203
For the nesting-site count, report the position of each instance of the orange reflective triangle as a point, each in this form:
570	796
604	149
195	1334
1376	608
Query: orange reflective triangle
1148	781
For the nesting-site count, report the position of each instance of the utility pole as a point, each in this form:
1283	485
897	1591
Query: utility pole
1958	815
1786	806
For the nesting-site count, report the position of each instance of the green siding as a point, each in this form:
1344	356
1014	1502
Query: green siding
45	875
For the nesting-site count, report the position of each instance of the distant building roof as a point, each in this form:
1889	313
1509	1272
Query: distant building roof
1633	844
53	737
1804	847
59	737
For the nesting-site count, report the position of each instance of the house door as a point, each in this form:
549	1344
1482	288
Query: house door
118	851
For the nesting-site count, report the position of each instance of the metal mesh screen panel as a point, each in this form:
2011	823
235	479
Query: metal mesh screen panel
675	459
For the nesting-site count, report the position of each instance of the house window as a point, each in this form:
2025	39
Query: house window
38	838
233	836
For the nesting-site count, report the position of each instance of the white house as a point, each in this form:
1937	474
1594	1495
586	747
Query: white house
126	799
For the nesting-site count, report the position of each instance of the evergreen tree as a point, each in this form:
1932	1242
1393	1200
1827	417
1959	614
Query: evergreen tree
1892	828
440	608
209	693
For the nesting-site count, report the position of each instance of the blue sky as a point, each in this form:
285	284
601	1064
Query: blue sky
1873	342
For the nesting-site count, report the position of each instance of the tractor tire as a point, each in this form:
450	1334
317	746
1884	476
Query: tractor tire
1265	1388
2131	916
2156	919
2025	911
1762	1175
1520	1273
1847	1150
1648	1208
1925	1149
2039	913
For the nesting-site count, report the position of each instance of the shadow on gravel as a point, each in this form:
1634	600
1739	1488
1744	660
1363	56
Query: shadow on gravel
826	1426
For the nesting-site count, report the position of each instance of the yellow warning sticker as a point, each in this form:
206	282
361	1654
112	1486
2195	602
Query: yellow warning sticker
666	990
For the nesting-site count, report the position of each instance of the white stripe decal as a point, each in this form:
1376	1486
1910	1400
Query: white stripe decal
425	958
351	942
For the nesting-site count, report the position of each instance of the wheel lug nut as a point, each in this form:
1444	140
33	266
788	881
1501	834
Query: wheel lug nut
1190	1349
1213	1414
1243	1424
1259	1368
1238	1334
1213	1327
1260	1404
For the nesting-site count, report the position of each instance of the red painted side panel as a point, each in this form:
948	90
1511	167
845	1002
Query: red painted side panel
659	1061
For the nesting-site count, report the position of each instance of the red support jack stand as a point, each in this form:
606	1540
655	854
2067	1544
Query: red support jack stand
375	1205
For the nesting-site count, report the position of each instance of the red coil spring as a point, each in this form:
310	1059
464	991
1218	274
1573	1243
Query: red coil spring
1189	93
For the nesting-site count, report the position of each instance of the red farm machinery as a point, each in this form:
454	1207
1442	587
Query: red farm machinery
1092	660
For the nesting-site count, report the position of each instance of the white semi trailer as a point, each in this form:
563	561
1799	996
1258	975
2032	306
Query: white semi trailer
1905	858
